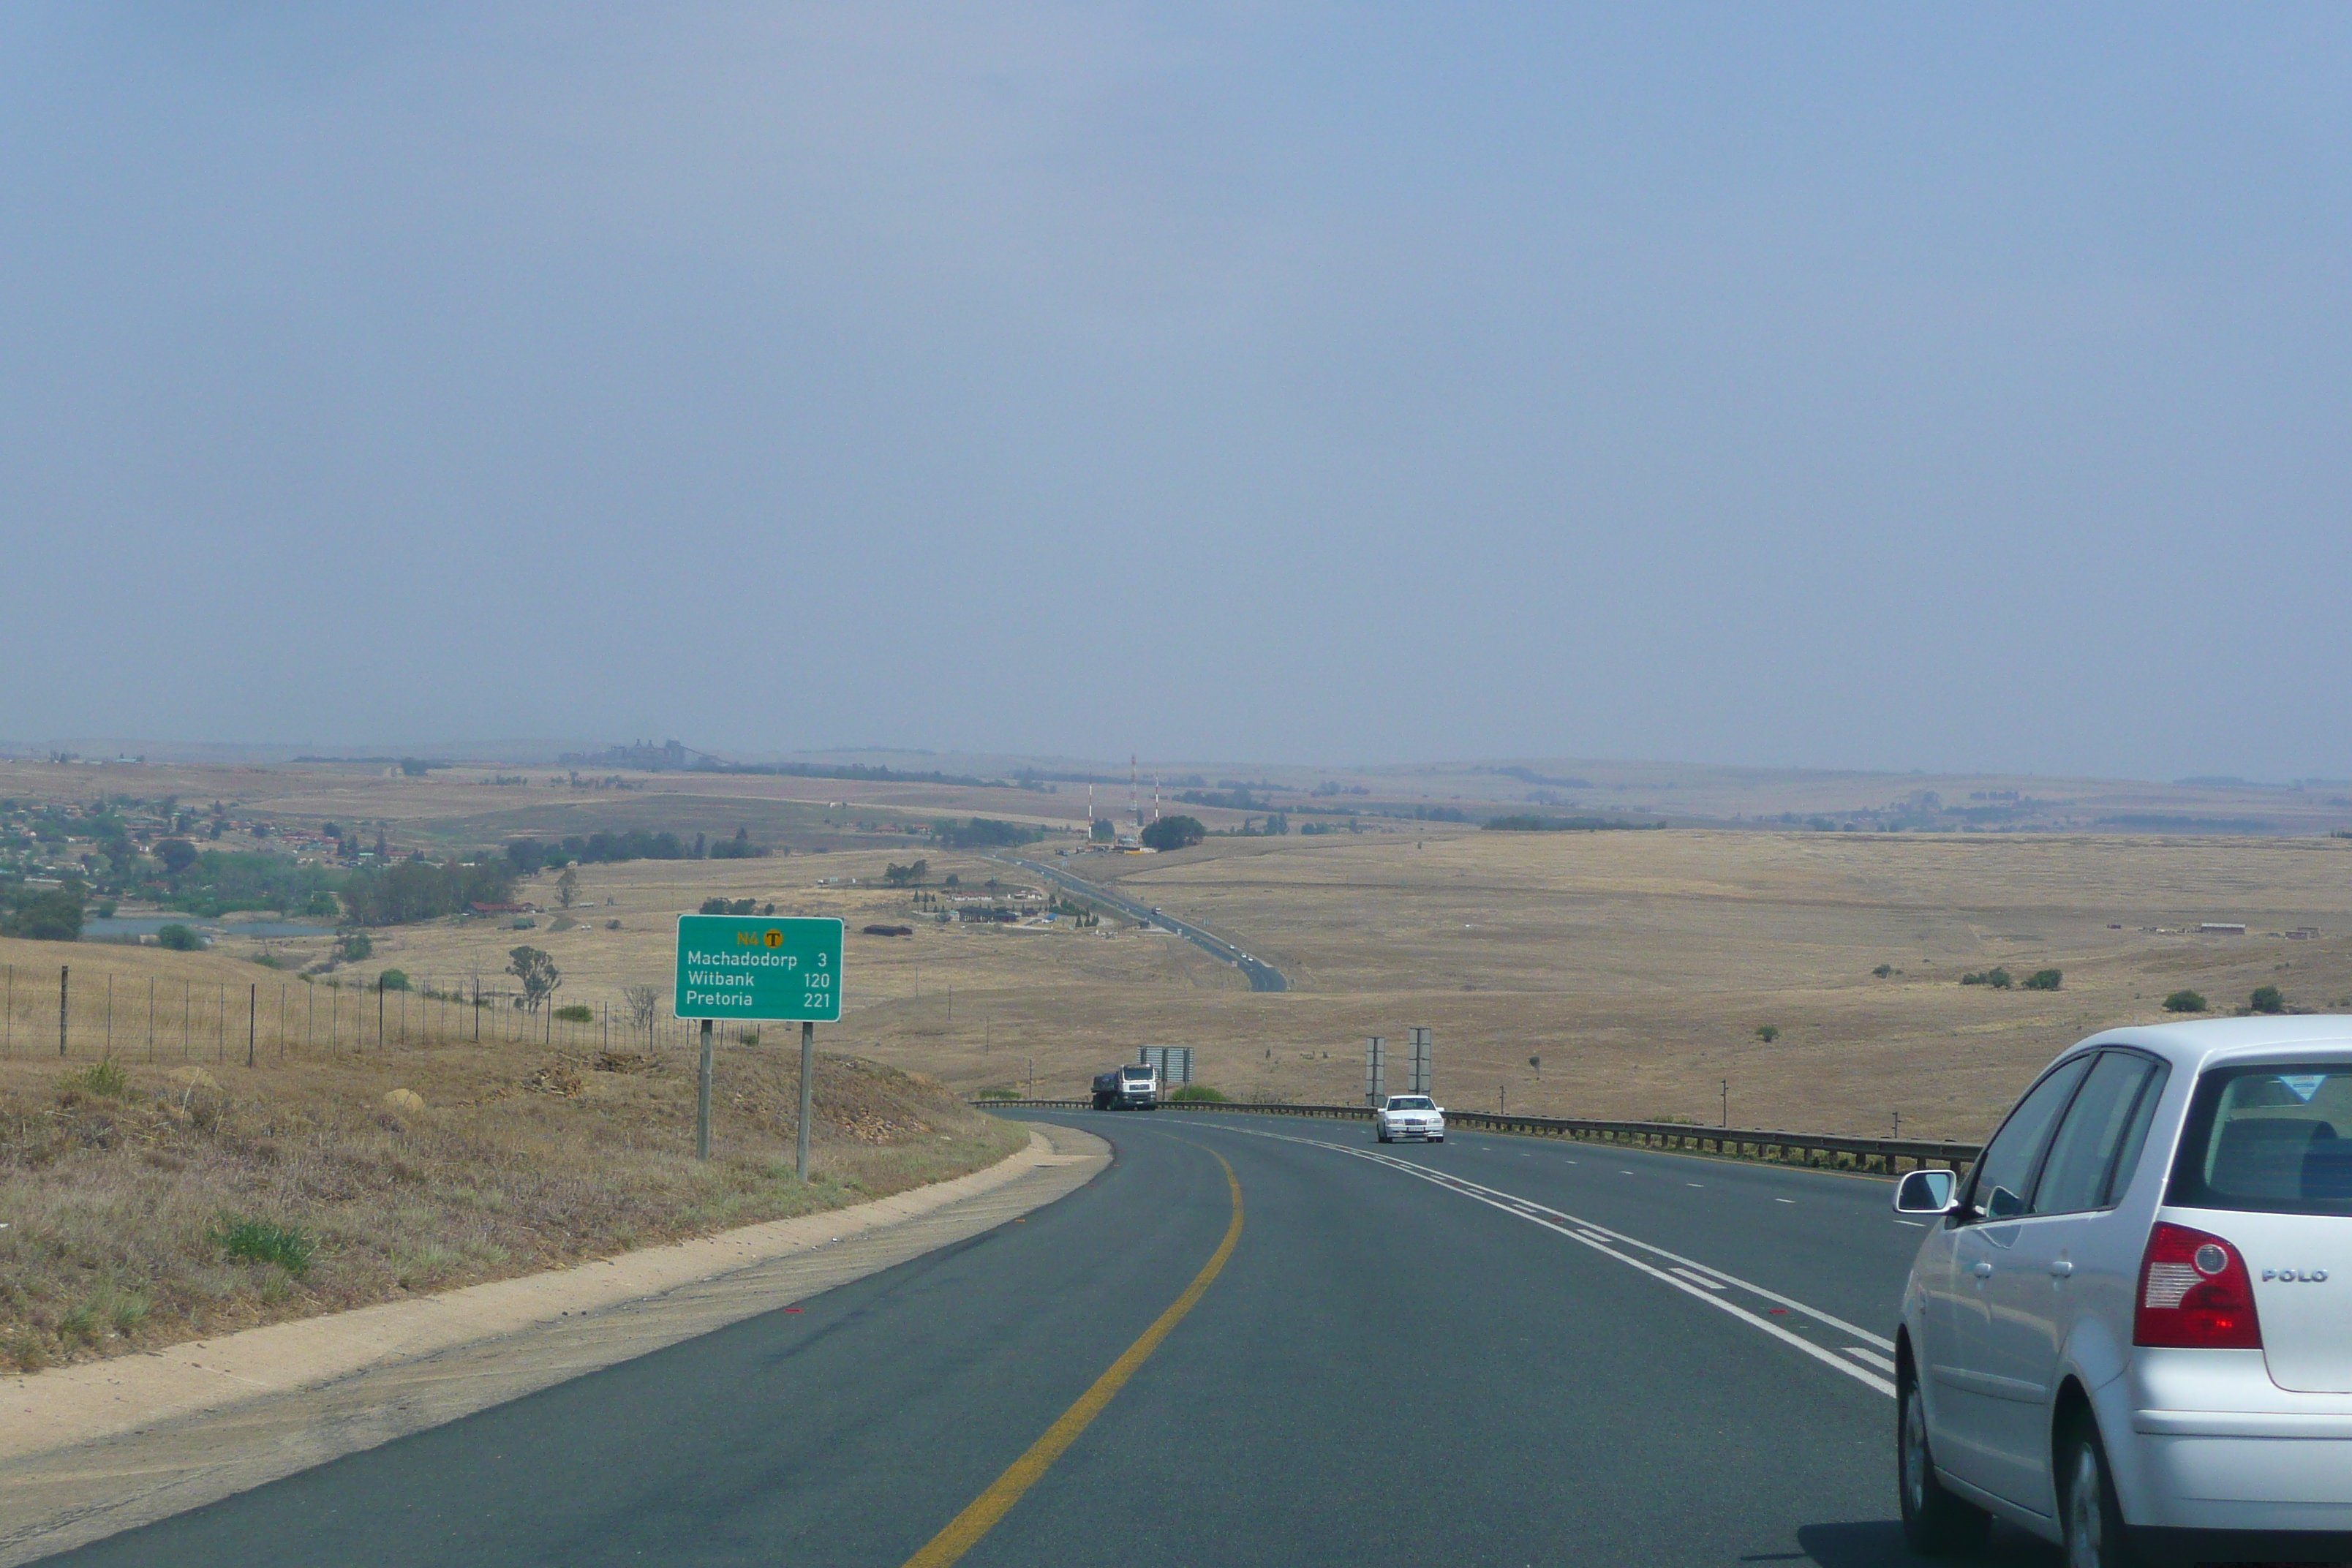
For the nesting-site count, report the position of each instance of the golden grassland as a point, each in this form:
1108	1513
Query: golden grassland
125	1180
1635	967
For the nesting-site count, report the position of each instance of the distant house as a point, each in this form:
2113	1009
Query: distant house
500	909
2223	928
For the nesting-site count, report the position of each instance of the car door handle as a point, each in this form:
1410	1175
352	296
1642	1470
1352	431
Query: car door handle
1981	1270
2059	1269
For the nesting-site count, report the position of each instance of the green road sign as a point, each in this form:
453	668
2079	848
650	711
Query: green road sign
730	966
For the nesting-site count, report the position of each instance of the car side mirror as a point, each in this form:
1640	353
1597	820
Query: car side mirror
1927	1192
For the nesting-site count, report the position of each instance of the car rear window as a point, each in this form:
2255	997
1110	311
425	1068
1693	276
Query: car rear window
2273	1139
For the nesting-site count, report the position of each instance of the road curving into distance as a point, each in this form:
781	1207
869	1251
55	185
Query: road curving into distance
1494	1351
1262	975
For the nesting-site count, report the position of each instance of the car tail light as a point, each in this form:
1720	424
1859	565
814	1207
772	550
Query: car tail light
2194	1293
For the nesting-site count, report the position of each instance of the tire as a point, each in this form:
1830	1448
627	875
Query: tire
2089	1516
1935	1523
1380	1134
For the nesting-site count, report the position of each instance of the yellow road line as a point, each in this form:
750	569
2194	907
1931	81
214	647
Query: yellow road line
980	1516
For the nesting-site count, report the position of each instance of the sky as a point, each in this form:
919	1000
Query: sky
1956	388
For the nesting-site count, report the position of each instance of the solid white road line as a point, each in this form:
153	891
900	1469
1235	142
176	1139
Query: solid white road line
1587	1233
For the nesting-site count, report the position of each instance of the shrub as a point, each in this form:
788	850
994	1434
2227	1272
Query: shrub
1884	970
576	1013
1199	1091
713	907
2044	980
268	961
2184	1001
1999	979
393	979
2266	999
265	1241
998	1091
357	946
1767	1033
747	1037
179	938
101	1078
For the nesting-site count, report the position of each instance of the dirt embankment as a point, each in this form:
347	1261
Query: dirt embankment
148	1204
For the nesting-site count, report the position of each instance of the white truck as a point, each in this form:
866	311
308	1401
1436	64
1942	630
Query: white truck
1129	1087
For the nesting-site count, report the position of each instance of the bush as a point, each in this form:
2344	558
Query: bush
266	1241
102	1079
2266	999
1884	970
2184	1001
179	938
357	946
2044	980
1999	979
576	1013
1767	1033
1200	1092
998	1091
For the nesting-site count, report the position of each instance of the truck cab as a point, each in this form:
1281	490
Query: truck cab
1127	1088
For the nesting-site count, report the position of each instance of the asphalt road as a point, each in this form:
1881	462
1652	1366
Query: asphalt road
1494	1366
1262	975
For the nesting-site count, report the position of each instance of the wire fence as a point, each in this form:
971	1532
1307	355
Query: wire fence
90	1015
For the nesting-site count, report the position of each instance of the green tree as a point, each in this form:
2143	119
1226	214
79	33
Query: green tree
567	886
2184	1001
1173	833
2266	999
1767	1033
176	854
393	979
178	938
2044	980
357	946
538	973
1102	832
45	917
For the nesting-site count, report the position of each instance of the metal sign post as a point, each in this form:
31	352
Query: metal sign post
777	971
1376	1069
1424	1048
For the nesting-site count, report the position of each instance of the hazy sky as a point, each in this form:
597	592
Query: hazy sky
1881	386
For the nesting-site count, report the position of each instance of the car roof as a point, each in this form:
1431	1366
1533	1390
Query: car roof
2207	1041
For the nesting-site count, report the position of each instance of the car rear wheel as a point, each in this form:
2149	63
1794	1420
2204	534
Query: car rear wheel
2088	1514
1935	1523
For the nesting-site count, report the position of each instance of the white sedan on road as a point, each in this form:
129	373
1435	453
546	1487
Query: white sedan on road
1409	1115
2127	1328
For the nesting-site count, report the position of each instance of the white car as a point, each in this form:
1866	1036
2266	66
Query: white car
2129	1329
1409	1115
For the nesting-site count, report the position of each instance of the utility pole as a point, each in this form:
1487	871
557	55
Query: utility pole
1727	1102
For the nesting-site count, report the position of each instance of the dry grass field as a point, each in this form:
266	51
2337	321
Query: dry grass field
1620	974
169	1190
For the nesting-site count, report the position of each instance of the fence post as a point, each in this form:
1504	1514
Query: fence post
252	1014
63	971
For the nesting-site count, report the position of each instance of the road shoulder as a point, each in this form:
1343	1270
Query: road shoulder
88	1451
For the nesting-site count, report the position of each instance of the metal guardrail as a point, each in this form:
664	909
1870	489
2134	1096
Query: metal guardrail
1818	1150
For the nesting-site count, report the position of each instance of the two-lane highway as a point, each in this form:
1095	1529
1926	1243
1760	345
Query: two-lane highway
1262	975
1493	1350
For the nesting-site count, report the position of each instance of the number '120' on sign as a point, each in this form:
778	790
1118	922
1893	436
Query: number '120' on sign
776	970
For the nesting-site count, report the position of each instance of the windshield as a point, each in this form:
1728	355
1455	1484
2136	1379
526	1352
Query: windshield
1410	1102
2277	1139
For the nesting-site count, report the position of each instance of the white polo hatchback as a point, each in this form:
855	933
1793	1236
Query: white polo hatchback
2129	1328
